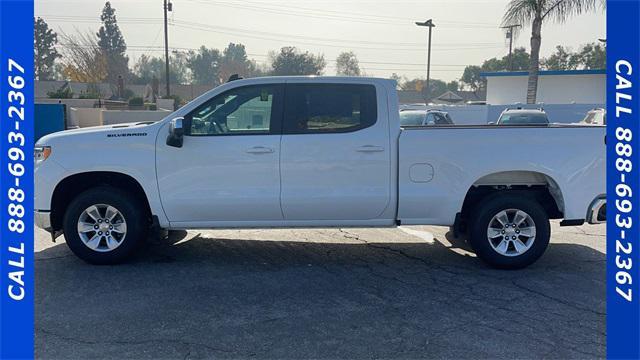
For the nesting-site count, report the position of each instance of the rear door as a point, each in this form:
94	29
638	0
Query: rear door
335	152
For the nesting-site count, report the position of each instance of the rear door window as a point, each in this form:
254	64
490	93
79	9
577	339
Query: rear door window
329	108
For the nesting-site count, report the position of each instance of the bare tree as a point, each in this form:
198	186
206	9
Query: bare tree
84	61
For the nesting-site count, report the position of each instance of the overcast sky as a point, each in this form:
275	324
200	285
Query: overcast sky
381	33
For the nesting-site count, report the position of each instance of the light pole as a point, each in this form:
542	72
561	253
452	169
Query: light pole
168	6
510	36
429	23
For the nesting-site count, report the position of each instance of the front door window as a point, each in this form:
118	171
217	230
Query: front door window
246	110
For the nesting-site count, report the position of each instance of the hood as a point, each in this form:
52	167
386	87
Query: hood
119	130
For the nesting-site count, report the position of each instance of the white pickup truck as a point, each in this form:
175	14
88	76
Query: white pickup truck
315	152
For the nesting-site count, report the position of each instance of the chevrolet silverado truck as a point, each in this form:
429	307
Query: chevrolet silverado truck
315	152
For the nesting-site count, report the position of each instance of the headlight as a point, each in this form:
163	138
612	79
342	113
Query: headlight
41	153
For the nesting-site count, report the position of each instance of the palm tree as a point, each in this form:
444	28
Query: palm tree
534	12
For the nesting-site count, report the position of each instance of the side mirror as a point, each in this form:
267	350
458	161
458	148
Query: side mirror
176	133
491	123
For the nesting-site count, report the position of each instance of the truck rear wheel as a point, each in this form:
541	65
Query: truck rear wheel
509	231
104	225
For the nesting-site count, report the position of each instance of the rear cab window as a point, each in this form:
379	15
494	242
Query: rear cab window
329	108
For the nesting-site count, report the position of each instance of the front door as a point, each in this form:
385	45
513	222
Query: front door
228	168
336	162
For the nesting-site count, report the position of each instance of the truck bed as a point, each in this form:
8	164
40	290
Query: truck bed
439	165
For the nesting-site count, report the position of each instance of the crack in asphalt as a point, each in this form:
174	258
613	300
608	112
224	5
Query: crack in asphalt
514	282
580	231
553	298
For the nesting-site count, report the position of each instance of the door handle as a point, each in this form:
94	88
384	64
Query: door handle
259	150
370	148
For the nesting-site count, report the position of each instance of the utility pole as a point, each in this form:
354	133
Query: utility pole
168	6
429	23
510	36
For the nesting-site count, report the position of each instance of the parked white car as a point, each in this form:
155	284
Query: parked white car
315	152
523	117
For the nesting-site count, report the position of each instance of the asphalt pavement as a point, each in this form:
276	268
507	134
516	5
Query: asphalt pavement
410	292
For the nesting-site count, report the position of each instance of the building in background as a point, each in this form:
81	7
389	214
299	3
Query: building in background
554	87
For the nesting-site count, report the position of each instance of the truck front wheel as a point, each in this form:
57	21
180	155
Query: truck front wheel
104	225
509	231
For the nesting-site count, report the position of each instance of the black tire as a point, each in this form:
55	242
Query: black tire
130	208
483	215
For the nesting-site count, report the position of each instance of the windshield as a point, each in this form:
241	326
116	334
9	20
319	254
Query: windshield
420	118
523	119
595	117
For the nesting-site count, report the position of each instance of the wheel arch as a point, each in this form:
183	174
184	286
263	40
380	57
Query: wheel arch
537	184
73	185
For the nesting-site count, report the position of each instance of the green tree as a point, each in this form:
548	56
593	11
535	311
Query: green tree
519	59
589	56
205	66
471	77
561	59
112	44
234	60
258	70
437	88
148	67
412	85
290	61
44	51
534	13
347	64
592	56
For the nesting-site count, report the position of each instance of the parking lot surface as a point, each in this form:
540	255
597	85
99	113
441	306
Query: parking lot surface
410	292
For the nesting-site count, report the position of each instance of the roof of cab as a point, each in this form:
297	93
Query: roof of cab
315	78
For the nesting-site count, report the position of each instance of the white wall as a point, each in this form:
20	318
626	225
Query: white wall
166	104
552	89
84	117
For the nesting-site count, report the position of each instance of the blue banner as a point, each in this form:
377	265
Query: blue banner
16	179
623	182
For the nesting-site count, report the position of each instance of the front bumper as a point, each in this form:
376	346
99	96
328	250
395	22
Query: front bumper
43	220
